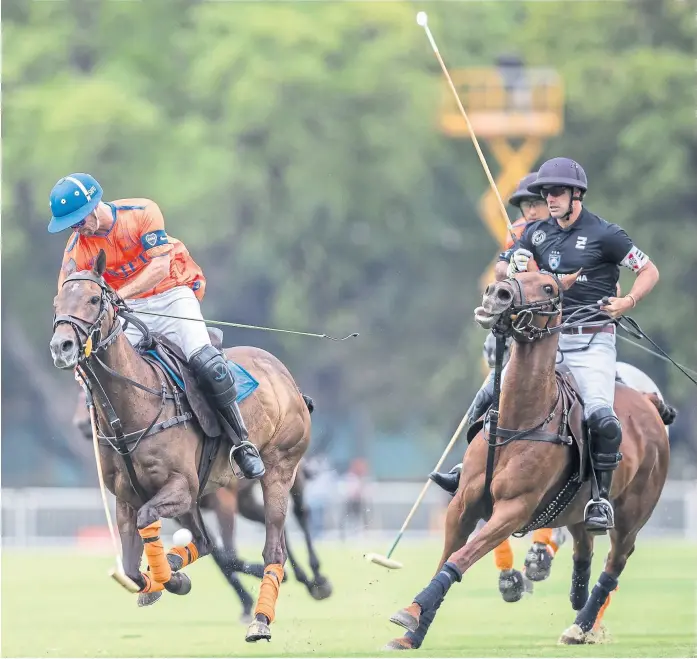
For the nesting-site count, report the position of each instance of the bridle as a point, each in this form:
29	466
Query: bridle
517	319
89	335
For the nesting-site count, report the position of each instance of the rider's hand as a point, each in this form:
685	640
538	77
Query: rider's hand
519	262
617	306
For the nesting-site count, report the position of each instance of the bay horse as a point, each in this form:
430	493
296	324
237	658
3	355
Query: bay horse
226	503
543	483
160	460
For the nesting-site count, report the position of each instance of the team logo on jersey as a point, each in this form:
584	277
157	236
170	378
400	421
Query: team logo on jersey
554	259
151	239
538	237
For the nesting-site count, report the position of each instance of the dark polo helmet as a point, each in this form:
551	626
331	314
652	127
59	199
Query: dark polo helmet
522	192
560	171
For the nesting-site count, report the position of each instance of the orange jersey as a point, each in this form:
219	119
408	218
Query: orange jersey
518	227
138	227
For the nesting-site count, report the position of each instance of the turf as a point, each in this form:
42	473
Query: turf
60	604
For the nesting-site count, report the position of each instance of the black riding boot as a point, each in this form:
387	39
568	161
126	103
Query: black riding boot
215	378
481	403
606	437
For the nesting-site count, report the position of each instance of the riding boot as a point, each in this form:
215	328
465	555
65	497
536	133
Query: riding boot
481	403
217	381
606	437
450	481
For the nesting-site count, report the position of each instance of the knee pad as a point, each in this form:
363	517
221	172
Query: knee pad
606	435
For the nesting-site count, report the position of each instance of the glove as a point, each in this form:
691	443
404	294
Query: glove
519	262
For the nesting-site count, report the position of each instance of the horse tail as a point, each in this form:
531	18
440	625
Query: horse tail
309	402
667	412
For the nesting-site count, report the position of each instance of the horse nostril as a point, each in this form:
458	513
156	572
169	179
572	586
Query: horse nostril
504	295
67	346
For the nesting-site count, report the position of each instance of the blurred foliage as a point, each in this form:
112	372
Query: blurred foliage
295	149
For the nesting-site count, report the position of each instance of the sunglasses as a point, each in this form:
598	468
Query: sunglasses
554	191
532	203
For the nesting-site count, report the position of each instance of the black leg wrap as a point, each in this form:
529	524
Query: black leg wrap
425	620
431	596
579	584
587	616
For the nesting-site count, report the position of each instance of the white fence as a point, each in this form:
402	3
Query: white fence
35	517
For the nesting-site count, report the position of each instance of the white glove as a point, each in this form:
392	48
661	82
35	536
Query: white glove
519	262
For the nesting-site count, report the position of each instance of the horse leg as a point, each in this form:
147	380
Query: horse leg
132	550
252	510
320	588
508	515
275	485
583	554
173	500
589	617
461	520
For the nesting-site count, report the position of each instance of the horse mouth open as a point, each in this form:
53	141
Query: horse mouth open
485	318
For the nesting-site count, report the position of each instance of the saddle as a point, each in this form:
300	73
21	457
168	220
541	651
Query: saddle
161	353
572	432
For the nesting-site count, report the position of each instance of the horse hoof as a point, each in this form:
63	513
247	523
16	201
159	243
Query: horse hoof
538	562
405	619
511	585
257	631
148	599
246	618
399	644
574	635
179	584
598	635
321	590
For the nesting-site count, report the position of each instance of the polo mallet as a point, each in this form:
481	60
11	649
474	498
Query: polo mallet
422	20
387	561
117	573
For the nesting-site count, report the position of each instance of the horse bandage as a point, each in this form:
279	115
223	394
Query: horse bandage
160	569
188	554
268	592
151	586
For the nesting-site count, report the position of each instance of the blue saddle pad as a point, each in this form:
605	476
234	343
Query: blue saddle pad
245	382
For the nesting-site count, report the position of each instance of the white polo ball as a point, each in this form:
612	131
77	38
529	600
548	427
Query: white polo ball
421	18
182	537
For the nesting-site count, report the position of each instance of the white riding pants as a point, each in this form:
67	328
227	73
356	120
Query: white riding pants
189	335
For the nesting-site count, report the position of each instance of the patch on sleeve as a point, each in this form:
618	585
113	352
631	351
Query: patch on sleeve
154	239
635	259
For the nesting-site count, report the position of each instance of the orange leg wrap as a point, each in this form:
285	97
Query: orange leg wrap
188	554
503	555
151	586
544	536
601	613
268	592
155	552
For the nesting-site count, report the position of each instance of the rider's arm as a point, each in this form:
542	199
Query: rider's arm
523	242
156	250
620	249
68	266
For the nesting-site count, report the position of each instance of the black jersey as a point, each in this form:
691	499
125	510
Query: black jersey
597	247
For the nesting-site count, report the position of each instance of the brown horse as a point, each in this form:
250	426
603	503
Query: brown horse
226	503
533	482
159	466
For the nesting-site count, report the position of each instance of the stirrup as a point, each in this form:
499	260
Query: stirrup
608	509
231	457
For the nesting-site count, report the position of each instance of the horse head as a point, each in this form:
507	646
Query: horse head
526	306
85	311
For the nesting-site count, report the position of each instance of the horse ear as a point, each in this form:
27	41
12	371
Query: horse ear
100	263
570	280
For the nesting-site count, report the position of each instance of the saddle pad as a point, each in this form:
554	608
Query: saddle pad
245	382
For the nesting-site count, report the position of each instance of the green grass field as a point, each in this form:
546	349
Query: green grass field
55	604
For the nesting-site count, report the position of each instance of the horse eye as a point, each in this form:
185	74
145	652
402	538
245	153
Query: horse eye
95	299
547	288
